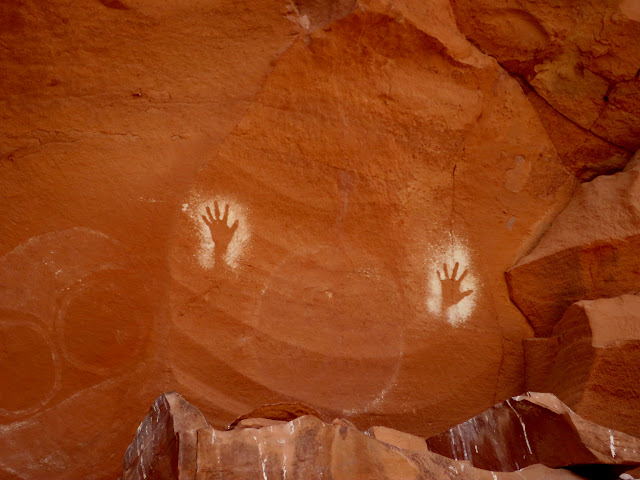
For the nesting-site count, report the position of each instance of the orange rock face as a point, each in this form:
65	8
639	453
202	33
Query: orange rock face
592	361
357	233
305	202
590	251
107	110
575	56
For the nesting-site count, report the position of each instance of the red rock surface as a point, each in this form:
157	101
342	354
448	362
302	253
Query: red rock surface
537	428
165	439
277	412
590	251
584	154
354	193
592	362
576	56
363	148
105	115
171	442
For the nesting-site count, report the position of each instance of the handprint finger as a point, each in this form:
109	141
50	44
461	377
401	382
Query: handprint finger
206	220
234	227
464	274
217	210
455	271
209	213
226	213
446	270
466	293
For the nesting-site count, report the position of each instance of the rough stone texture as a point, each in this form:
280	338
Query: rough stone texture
172	443
363	149
592	362
391	158
165	438
402	440
577	56
590	251
582	153
106	113
537	428
276	412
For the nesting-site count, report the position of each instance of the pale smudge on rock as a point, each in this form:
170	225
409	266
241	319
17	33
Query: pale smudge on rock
196	207
516	177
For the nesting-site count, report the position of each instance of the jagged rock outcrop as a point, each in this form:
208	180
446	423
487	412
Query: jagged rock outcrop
172	443
592	361
590	251
538	428
165	437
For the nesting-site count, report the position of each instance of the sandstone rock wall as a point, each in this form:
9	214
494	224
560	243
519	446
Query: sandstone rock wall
591	361
272	201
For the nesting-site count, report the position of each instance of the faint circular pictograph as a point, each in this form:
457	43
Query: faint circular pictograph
328	309
72	301
29	365
102	321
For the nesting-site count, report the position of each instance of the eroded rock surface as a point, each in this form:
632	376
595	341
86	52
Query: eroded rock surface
592	361
172	443
590	251
277	412
577	56
584	154
375	171
538	428
367	188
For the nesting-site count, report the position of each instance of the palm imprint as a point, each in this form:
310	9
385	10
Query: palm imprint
451	291
221	232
